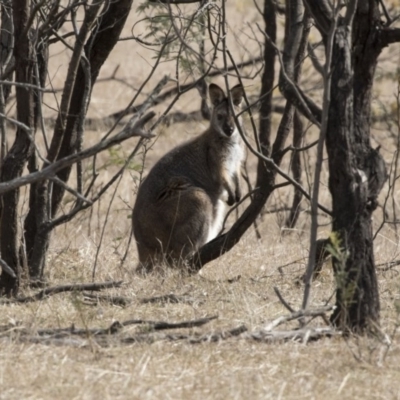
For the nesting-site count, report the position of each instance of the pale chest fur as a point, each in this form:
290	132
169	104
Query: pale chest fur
234	156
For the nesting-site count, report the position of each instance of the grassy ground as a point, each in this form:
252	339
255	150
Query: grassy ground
237	287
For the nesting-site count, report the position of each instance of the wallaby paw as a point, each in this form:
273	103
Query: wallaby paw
238	196
231	200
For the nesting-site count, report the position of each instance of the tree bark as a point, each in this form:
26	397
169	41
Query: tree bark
349	151
21	149
97	49
296	171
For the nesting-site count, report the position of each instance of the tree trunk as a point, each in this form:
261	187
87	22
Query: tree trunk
97	49
350	173
21	149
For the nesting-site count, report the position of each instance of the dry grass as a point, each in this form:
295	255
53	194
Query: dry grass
232	369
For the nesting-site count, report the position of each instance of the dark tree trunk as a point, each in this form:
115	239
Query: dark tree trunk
356	174
97	49
21	149
296	170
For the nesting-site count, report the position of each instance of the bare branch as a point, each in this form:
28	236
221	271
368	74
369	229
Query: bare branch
5	268
50	170
298	315
79	287
27	86
321	10
389	36
69	189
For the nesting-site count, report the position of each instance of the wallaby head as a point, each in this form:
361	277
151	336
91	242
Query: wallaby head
222	118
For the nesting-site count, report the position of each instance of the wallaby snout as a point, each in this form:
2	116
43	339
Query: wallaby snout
181	203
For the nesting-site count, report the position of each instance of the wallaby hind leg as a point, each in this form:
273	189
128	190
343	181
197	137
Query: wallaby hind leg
175	227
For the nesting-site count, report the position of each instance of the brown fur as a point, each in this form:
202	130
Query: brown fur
178	203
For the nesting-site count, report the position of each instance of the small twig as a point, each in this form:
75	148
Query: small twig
282	300
388	265
167	298
50	170
216	337
114	300
161	325
7	269
297	315
280	268
303	335
47	292
70	190
26	86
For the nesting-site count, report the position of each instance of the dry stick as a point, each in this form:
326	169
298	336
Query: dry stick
304	335
318	166
167	298
7	269
27	86
160	325
216	336
282	300
114	300
117	326
102	339
79	196
50	171
3	142
387	197
124	257
104	228
385	11
396	162
389	265
298	315
47	292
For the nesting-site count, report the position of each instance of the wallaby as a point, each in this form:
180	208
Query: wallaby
180	204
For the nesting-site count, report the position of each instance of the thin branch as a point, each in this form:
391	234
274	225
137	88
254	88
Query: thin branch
389	36
304	335
298	315
47	292
70	190
282	300
50	170
7	269
318	167
183	88
27	86
302	102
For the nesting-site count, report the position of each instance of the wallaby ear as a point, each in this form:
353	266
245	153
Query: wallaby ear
216	94
237	95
